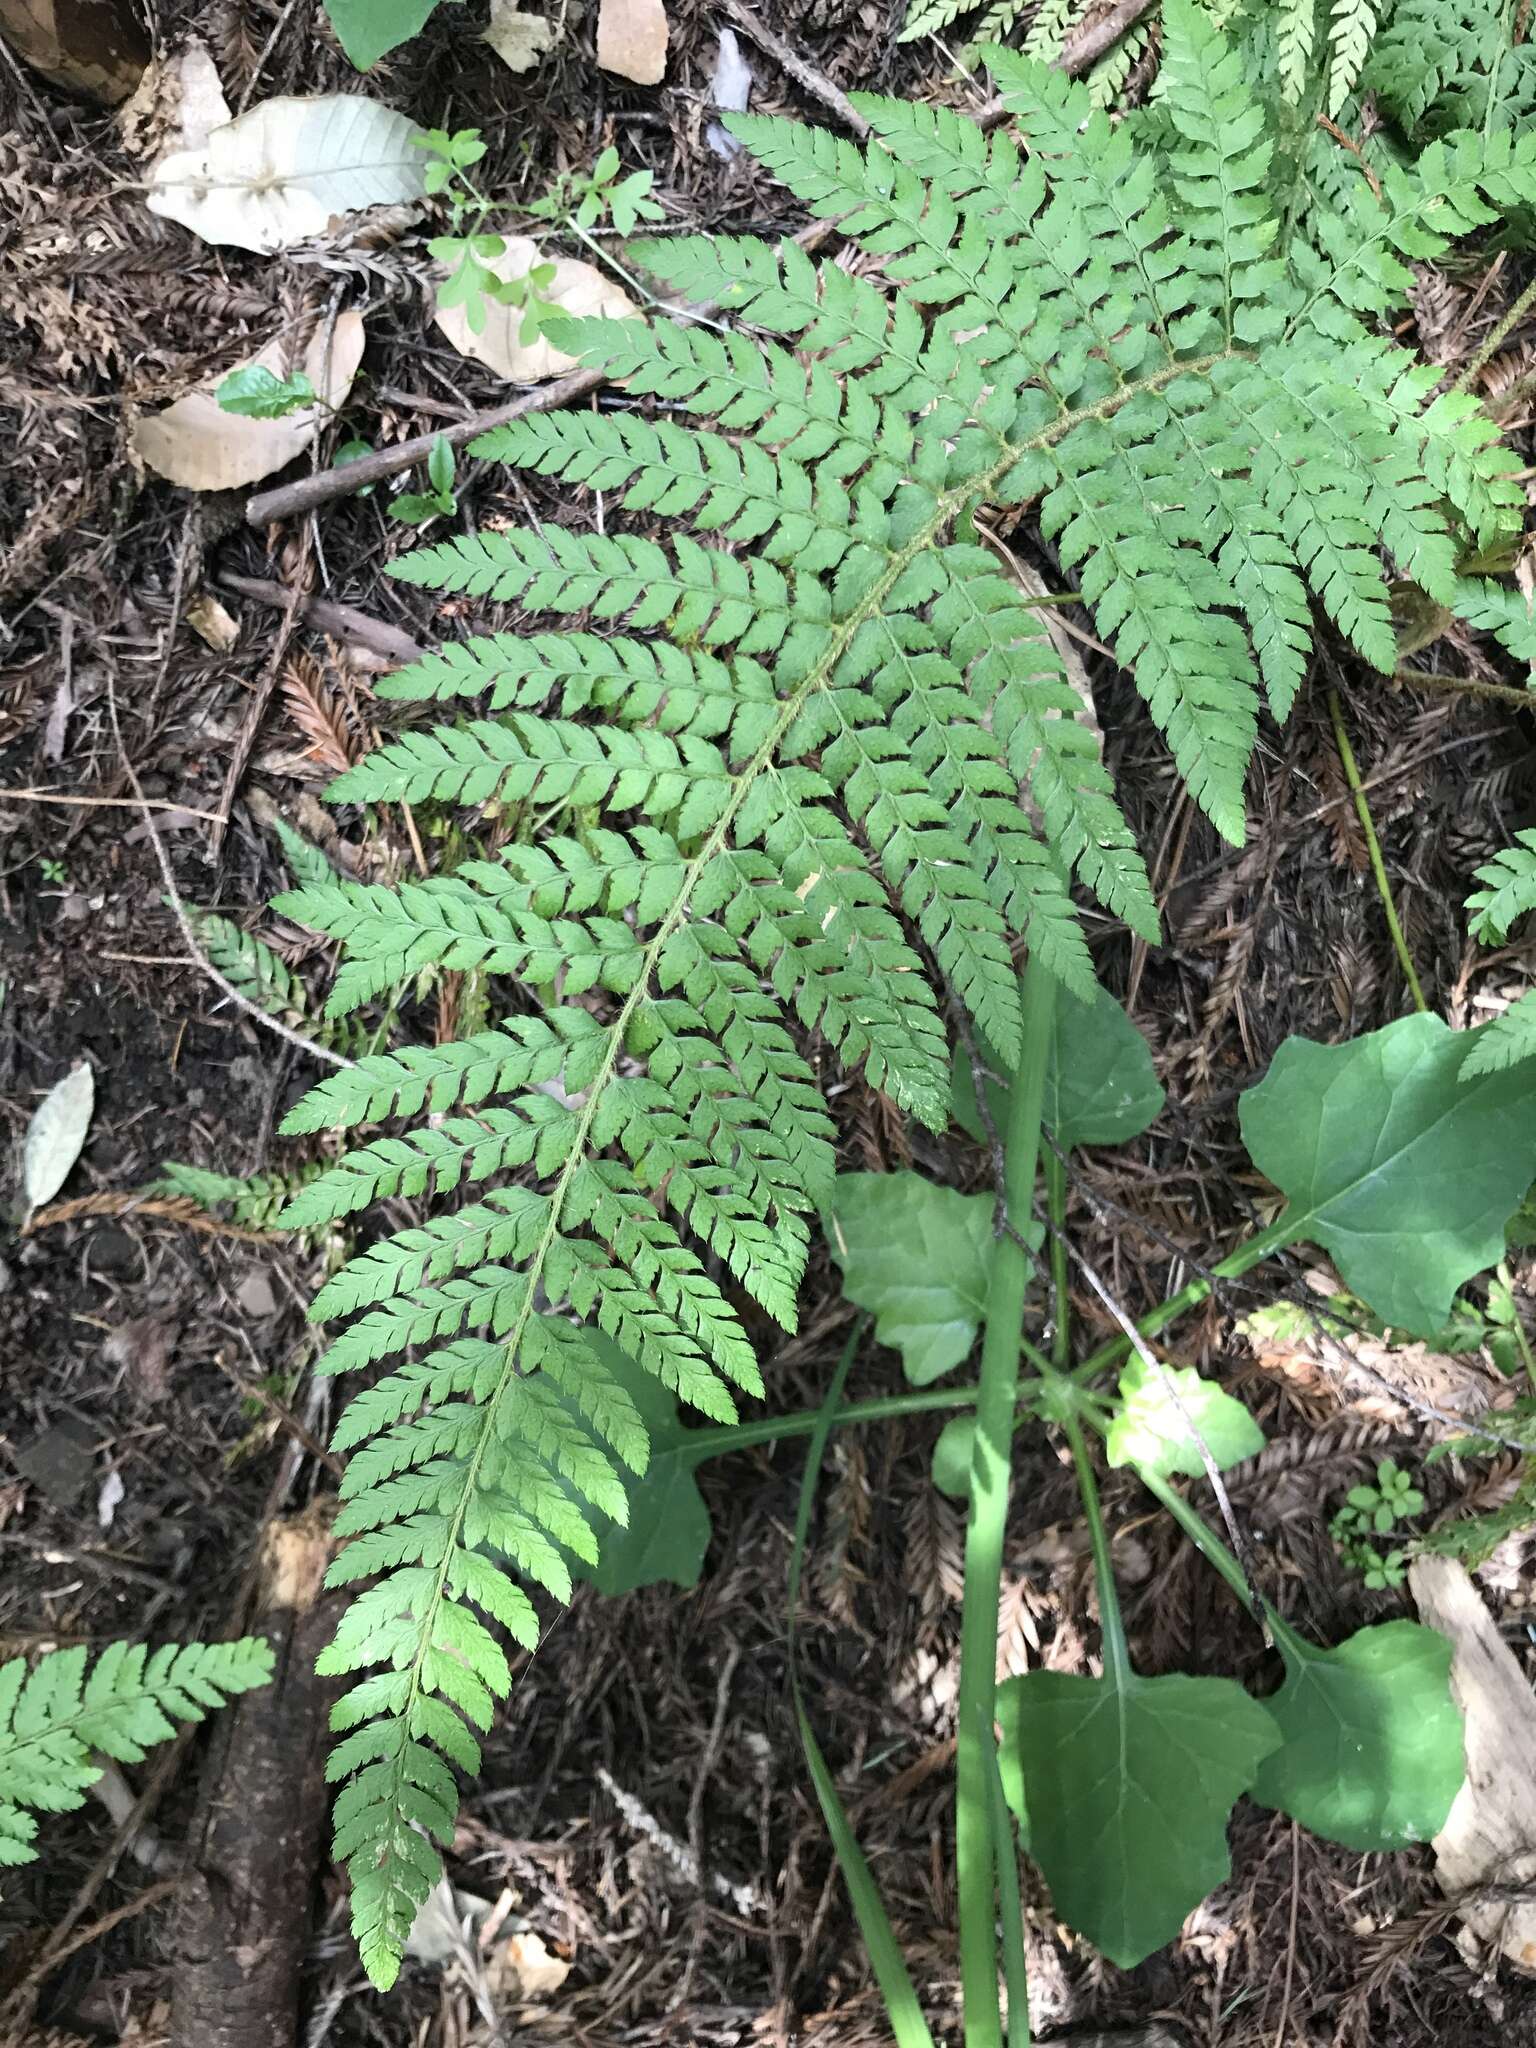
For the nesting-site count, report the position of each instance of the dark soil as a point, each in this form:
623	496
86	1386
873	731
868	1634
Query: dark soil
140	1349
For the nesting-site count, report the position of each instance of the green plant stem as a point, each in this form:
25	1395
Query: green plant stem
908	2027
1056	1211
741	1436
996	1397
1373	847
1247	1255
1010	1910
1221	1560
1117	1654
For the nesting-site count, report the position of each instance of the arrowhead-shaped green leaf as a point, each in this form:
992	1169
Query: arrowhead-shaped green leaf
1125	1785
669	1526
1372	1753
368	29
1402	1170
916	1255
1100	1085
1156	1431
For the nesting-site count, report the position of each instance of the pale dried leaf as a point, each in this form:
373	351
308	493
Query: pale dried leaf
632	39
578	288
1381	1381
203	105
56	1134
438	1933
57	728
518	39
286	170
213	622
730	88
522	1971
110	1498
1489	1837
196	444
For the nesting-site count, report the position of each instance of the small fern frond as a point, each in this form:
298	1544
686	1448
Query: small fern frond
58	1719
1349	35
1508	891
1504	1041
1295	35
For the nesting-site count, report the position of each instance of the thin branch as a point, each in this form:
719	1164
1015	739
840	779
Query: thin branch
189	936
805	74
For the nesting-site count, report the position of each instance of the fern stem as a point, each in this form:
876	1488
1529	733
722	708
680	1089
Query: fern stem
1373	847
997	1393
1500	332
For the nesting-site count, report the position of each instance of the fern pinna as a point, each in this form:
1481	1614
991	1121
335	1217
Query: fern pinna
819	774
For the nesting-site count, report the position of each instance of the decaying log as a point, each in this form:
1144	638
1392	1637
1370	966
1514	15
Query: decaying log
243	1928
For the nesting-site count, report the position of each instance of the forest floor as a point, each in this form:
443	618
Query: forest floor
154	1410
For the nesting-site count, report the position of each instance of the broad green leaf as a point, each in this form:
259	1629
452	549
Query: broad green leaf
369	29
918	1256
1372	1753
1154	1430
669	1526
1100	1085
255	392
952	1456
1125	1785
1391	1162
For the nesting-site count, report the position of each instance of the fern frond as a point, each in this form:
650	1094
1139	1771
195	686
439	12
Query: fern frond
1508	891
1349	34
58	1719
1504	1041
806	783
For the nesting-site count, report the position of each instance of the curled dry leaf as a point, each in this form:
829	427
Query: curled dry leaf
284	171
196	444
632	39
1489	1837
578	289
518	39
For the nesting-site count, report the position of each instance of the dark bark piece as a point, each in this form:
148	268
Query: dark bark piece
243	1928
96	47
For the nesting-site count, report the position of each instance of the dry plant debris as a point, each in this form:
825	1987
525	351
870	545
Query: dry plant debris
632	39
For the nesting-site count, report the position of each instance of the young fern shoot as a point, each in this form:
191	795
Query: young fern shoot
784	755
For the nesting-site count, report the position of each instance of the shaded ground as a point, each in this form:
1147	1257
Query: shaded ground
134	1344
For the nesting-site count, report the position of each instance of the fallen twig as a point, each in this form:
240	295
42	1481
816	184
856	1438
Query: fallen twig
805	74
341	621
326	484
1081	52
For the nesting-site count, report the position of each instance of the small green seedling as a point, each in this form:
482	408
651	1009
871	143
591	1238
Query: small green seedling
257	393
468	251
414	507
1376	1511
582	202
